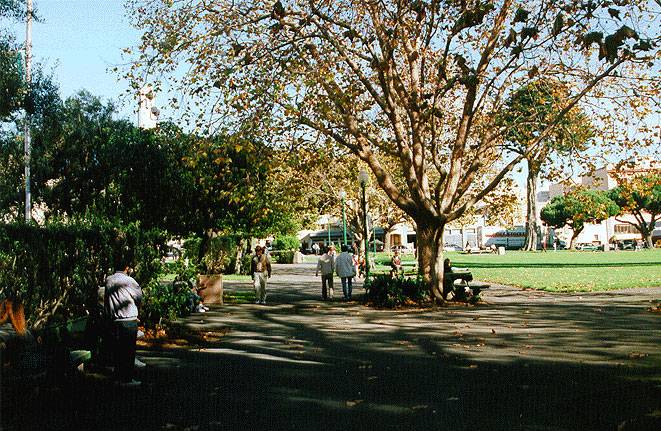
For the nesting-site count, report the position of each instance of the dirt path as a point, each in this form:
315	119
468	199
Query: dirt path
522	360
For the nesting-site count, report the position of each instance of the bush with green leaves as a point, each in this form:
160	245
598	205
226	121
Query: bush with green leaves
164	301
385	291
284	256
286	243
284	248
56	269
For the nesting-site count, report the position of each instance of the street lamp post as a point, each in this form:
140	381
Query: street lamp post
364	180
343	195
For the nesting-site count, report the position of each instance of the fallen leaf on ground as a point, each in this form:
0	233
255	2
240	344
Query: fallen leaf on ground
420	407
656	309
637	355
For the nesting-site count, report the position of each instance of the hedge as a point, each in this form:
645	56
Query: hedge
55	270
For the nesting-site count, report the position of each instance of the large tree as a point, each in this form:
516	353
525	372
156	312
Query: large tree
577	208
528	113
417	82
640	197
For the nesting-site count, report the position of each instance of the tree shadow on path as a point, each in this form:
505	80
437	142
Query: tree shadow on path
518	362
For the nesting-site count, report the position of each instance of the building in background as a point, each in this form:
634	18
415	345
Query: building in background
148	113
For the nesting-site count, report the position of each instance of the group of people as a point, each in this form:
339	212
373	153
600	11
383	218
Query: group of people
346	265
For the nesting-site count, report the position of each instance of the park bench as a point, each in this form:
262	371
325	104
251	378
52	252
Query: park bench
458	282
478	251
55	349
66	342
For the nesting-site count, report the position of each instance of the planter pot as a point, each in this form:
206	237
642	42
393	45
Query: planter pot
210	288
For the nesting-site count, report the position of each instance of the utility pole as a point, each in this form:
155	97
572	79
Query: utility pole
28	83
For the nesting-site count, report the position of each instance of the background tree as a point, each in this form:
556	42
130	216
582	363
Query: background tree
528	112
12	88
45	106
577	208
241	190
640	197
11	82
415	82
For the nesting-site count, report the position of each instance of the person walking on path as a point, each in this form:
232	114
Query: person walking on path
346	271
123	296
260	268
326	264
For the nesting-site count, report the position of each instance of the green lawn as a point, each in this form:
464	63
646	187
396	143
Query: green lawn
561	271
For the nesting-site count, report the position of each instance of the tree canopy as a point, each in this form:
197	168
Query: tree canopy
577	208
640	197
528	112
87	162
412	88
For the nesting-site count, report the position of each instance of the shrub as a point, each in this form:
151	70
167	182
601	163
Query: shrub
284	248
164	301
219	254
56	269
286	243
284	256
385	291
246	261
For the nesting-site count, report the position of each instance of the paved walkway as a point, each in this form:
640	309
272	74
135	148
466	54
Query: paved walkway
522	360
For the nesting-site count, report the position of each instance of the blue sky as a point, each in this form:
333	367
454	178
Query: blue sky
79	40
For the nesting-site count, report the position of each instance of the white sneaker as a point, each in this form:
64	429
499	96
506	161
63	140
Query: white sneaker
138	363
200	309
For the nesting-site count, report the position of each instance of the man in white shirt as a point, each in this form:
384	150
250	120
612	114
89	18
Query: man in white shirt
122	300
346	271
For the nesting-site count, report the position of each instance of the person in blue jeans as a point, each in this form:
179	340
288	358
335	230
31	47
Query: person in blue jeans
346	270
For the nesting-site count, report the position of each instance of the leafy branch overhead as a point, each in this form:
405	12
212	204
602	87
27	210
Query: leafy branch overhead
412	88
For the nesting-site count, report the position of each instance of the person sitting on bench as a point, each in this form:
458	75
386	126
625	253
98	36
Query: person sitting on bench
396	265
449	277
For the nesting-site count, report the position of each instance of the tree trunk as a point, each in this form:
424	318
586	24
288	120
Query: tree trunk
646	230
531	208
386	241
240	247
648	241
574	235
430	258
